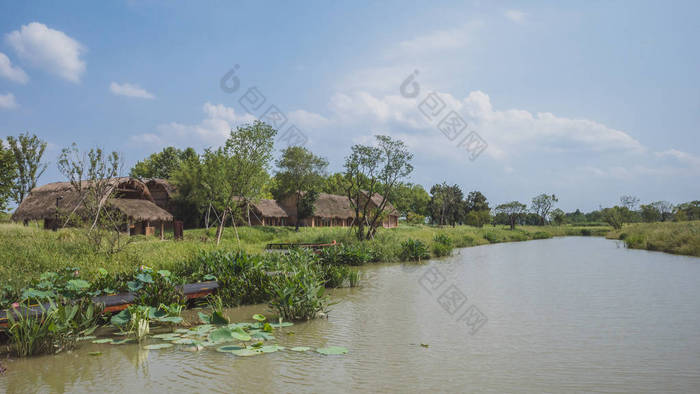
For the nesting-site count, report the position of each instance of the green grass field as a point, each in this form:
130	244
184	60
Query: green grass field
670	237
26	252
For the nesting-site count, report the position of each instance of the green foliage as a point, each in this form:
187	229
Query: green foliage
348	254
542	205
413	250
301	173
27	150
162	164
613	216
446	205
512	212
370	170
298	293
8	172
156	288
56	330
442	245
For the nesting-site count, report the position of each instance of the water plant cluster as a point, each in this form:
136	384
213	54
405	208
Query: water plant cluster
292	284
216	332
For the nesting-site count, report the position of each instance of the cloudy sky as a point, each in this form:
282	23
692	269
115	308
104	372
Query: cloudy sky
588	100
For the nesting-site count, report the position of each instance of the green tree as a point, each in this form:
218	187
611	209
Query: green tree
162	164
665	208
446	204
650	213
542	204
369	170
245	160
613	216
478	218
335	184
512	211
409	198
301	173
27	150
630	202
558	216
688	211
8	172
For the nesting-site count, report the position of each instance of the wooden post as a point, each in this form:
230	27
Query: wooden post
162	229
128	227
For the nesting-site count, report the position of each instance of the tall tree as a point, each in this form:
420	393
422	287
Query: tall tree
665	209
446	204
370	169
301	173
513	211
8	172
246	159
542	204
28	150
630	202
162	164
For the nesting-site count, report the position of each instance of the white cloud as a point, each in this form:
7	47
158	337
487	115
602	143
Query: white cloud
130	90
49	49
7	101
211	131
683	157
305	119
13	73
516	16
441	40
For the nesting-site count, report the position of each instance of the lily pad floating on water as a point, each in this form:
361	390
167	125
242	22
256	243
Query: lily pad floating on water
158	346
95	353
229	348
283	324
259	317
263	335
300	349
103	340
332	350
166	335
85	338
123	341
184	341
245	352
270	348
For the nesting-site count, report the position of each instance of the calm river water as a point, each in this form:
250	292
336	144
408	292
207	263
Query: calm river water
561	315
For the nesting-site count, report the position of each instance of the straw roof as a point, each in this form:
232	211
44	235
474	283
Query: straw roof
267	208
41	201
166	186
270	208
140	210
388	207
333	206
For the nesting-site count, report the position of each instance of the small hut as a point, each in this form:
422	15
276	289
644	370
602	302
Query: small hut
329	210
54	202
162	193
265	212
390	217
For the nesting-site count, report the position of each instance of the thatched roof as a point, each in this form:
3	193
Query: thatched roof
166	186
270	209
267	208
333	206
141	210
41	201
388	207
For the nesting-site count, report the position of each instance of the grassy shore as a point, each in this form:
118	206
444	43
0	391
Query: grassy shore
26	252
670	237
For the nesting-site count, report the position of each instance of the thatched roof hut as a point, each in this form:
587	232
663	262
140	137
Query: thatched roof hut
333	206
162	192
131	196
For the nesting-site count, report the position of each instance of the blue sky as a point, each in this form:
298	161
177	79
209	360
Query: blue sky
587	100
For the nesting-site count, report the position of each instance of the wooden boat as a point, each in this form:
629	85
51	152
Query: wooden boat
287	246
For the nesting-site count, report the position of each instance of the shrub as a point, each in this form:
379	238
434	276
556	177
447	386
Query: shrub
413	250
298	293
493	237
541	235
442	245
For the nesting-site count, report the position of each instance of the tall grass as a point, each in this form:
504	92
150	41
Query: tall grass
670	237
26	252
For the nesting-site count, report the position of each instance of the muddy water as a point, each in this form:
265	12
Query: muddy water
563	315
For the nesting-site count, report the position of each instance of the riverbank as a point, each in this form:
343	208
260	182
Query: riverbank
670	237
27	252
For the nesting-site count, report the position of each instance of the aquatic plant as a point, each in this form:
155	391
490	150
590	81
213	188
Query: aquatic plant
414	250
442	245
299	293
156	288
